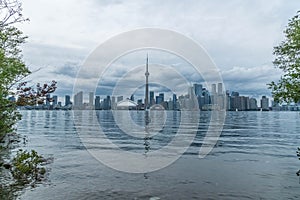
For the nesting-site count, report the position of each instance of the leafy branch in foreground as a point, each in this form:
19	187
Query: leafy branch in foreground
28	95
26	167
287	58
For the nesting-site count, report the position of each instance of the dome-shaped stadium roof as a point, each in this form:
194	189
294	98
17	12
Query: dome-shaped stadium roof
126	104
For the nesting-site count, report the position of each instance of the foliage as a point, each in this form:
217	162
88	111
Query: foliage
12	68
287	58
27	167
28	95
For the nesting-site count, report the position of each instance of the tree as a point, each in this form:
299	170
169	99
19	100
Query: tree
13	69
287	58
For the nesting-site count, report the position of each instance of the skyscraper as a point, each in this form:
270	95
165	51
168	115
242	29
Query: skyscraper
91	98
252	104
55	100
67	100
220	88
48	100
147	85
97	103
152	100
78	99
213	88
160	98
198	89
264	102
174	102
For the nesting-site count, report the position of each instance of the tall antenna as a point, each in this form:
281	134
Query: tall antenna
147	85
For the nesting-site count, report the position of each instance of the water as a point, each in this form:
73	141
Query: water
255	158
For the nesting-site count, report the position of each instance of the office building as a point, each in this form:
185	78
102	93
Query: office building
253	104
97	103
67	100
91	99
152	100
264	103
213	89
220	88
54	100
78	100
198	89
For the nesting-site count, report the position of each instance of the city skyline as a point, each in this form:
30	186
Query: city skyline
217	97
208	98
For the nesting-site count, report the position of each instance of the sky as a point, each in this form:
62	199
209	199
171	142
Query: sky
238	36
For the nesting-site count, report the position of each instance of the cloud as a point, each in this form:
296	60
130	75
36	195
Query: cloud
251	80
238	35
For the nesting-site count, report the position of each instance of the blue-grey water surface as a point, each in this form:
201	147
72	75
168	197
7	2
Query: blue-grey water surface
255	158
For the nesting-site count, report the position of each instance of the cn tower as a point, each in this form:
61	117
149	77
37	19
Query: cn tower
147	85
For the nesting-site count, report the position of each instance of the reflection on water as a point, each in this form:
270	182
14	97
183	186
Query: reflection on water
254	157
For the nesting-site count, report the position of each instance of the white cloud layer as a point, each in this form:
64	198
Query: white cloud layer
239	35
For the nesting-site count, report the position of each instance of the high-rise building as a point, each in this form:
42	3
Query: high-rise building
91	99
220	88
78	100
174	102
67	100
152	100
160	98
264	102
206	97
97	103
252	104
107	103
132	97
119	98
48	100
235	94
198	89
113	103
213	89
54	100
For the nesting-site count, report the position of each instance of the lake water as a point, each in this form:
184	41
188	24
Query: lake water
254	158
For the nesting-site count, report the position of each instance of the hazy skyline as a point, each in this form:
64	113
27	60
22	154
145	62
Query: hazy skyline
238	35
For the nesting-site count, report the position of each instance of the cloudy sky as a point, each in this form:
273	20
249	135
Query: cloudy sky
238	35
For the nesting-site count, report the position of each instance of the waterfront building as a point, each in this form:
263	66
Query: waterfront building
54	100
220	88
97	103
152	100
174	102
197	89
126	104
132	97
91	99
253	104
113	103
213	88
78	100
107	103
119	98
206	96
160	98
67	100
48	100
264	103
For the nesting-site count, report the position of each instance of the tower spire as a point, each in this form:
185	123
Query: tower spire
147	85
